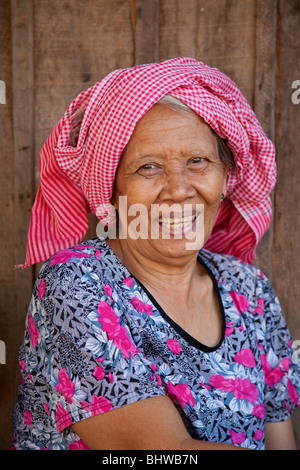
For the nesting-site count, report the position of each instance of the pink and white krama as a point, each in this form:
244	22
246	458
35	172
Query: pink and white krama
76	180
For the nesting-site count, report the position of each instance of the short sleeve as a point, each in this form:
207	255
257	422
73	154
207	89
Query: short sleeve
280	361
84	349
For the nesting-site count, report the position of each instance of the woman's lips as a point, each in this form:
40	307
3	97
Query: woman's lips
177	225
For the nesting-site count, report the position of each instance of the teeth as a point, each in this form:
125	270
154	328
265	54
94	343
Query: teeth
177	222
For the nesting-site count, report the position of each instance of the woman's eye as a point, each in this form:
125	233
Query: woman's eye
197	160
147	168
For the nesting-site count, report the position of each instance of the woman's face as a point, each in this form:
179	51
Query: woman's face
172	169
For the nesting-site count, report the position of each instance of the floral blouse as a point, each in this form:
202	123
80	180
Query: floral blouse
96	340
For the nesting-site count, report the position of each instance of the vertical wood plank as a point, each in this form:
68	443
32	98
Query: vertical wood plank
147	31
7	229
21	99
23	118
264	100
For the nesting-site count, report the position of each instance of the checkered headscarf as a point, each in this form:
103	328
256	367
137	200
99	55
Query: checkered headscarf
76	180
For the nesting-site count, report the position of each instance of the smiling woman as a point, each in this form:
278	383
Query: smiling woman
151	342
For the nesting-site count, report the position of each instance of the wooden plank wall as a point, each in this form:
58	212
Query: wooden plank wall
50	51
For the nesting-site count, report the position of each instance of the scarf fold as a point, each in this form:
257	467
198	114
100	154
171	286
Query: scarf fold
76	180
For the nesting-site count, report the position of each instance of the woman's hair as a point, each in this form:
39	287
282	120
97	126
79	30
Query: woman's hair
225	154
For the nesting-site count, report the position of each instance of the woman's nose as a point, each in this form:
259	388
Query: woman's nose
177	187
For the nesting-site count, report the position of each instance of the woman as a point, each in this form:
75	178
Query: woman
157	338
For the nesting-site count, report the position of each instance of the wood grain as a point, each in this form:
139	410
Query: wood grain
50	51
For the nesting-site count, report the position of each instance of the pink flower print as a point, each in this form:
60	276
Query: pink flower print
245	357
118	334
155	376
27	418
78	445
100	405
108	290
242	389
158	379
174	346
99	373
285	364
260	308
237	437
229	329
287	406
272	376
64	256
98	254
240	301
22	365
259	410
65	385
42	288
293	395
128	281
85	406
182	393
110	377
63	418
108	318
83	247
140	306
45	406
208	387
258	435
124	344
32	331
226	385
245	390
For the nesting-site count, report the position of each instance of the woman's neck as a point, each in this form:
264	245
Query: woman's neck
158	274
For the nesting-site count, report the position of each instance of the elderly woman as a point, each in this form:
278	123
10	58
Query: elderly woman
162	336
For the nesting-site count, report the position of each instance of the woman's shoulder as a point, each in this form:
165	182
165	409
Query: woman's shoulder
92	258
81	272
229	266
72	284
